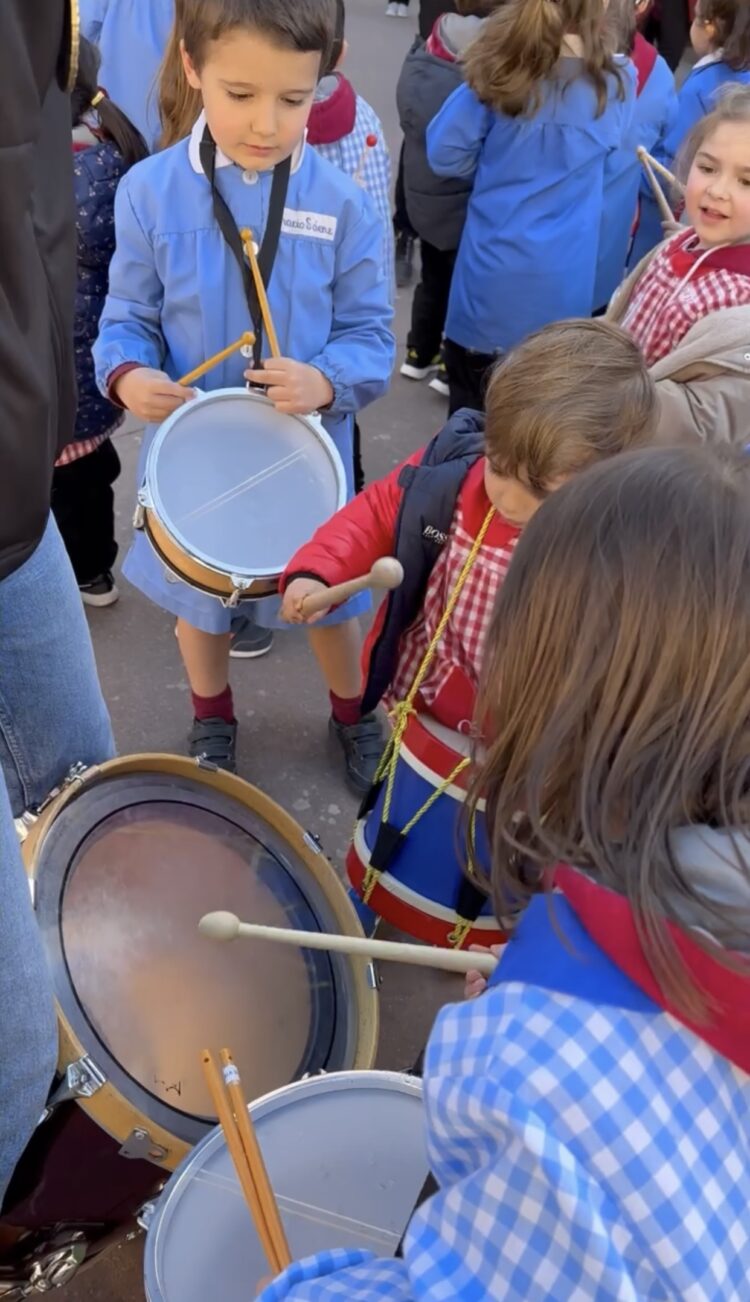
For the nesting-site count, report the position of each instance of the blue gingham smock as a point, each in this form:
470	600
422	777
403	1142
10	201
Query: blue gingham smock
586	1147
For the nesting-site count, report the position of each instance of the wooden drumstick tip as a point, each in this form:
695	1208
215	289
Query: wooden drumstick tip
387	572
220	926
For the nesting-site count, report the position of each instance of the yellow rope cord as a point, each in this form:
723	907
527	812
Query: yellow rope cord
403	709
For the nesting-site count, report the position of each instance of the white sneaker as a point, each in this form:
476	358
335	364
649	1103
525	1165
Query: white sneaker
440	385
391	10
402	11
411	368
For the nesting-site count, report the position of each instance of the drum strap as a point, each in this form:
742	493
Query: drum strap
389	837
230	231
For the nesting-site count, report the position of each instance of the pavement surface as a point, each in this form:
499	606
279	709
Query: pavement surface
281	703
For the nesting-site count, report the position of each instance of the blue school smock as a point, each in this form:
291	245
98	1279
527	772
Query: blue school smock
176	298
656	114
697	97
529	247
653	114
132	36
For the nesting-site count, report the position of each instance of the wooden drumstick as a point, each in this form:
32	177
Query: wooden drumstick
658	167
661	200
246	236
227	926
246	340
386	573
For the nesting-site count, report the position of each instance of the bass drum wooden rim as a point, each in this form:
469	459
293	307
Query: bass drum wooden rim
108	1107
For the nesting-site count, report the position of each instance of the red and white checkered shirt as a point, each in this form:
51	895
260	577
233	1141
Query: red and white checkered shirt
678	289
449	689
82	447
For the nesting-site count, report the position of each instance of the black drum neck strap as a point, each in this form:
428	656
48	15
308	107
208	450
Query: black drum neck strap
228	228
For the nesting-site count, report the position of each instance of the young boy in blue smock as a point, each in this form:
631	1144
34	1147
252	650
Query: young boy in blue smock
177	296
132	36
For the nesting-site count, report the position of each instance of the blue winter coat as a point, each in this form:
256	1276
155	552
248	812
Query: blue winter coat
97	173
654	112
529	249
132	36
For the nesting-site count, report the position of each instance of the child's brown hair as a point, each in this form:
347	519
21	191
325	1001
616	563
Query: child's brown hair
616	691
305	25
522	41
732	105
569	395
730	20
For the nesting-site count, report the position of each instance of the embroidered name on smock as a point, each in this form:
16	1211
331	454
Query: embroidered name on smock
315	224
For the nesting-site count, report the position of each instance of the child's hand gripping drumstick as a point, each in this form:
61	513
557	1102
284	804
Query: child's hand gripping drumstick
307	600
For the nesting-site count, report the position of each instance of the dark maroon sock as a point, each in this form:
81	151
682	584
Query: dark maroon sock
346	710
214	707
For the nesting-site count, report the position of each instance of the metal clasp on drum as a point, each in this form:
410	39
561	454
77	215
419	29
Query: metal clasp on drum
239	585
143	504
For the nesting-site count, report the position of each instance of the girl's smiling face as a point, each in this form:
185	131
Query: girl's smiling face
257	96
717	194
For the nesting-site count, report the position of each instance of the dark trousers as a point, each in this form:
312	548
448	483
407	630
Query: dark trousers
430	302
669	27
401	221
83	503
359	470
468	373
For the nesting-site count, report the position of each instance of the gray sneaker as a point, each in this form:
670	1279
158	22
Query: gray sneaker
214	740
249	640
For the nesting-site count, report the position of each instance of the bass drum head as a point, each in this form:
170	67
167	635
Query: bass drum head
240	486
346	1159
124	871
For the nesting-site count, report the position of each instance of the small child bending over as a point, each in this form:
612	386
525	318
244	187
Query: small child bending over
688	302
571	395
587	1117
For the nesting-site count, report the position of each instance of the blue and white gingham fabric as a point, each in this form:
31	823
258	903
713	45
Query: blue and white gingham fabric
346	154
583	1153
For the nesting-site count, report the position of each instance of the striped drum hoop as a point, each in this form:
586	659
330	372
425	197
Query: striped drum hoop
410	869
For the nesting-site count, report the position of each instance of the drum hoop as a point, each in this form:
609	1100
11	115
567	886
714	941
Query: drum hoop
332	1083
110	1107
156	505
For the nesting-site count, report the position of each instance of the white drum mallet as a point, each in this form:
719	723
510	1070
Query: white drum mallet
227	926
387	573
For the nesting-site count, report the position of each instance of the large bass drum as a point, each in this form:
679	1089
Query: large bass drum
122	865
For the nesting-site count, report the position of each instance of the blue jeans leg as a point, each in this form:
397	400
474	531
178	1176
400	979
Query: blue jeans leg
28	1027
52	712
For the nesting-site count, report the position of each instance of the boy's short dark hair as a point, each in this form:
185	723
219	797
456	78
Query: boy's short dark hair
305	25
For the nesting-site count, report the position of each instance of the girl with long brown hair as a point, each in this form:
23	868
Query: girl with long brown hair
588	1117
544	103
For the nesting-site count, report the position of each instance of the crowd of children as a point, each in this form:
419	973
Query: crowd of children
582	489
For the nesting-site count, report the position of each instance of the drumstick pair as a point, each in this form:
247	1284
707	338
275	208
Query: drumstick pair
651	166
228	1099
248	338
227	926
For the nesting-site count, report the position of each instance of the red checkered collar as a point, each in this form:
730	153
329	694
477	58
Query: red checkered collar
685	252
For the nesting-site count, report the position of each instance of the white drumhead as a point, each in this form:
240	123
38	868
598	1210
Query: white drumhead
240	486
346	1157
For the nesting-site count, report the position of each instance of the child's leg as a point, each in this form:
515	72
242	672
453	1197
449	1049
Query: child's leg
430	303
83	504
467	376
206	660
337	649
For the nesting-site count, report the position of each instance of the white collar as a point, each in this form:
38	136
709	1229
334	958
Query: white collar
715	56
194	150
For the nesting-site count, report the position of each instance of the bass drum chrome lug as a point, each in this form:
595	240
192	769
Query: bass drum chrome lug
139	1146
81	1081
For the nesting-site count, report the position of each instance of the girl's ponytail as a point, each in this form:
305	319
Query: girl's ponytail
515	52
89	100
520	44
179	104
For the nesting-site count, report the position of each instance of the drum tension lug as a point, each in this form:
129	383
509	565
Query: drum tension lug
312	842
82	1079
140	1147
76	773
206	764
